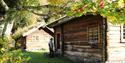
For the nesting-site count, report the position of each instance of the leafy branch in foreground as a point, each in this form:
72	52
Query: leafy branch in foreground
114	11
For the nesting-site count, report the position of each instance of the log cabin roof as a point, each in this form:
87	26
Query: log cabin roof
59	21
66	19
39	26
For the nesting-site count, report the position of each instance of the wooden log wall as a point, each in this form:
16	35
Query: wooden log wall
76	38
37	40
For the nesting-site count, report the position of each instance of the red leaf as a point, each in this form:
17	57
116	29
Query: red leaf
101	4
81	10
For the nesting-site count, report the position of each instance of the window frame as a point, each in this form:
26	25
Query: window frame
122	39
98	39
35	38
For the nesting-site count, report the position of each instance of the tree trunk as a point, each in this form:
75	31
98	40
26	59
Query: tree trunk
8	28
4	5
1	28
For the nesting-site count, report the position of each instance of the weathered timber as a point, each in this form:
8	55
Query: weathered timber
81	35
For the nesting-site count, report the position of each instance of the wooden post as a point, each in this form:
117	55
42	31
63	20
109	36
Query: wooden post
104	40
62	39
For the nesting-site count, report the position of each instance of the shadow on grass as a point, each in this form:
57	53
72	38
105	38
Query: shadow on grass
42	57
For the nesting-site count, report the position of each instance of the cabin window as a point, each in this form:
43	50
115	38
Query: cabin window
35	39
93	36
123	33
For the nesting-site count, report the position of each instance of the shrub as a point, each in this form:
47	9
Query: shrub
16	56
9	55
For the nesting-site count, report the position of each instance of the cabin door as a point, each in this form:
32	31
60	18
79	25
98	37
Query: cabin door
58	43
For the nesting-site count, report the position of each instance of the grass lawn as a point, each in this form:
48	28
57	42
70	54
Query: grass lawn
40	57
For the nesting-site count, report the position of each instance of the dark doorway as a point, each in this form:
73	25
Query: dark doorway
58	41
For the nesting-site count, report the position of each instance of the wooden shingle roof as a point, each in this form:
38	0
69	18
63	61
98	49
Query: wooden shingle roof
59	21
38	26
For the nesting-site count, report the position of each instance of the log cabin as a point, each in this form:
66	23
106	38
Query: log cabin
36	38
89	39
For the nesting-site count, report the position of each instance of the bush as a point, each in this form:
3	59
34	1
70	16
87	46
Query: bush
3	44
16	56
8	55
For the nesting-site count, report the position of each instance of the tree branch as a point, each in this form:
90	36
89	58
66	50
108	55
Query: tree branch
39	14
49	14
42	6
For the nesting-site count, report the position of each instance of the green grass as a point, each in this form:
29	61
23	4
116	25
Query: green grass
41	57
